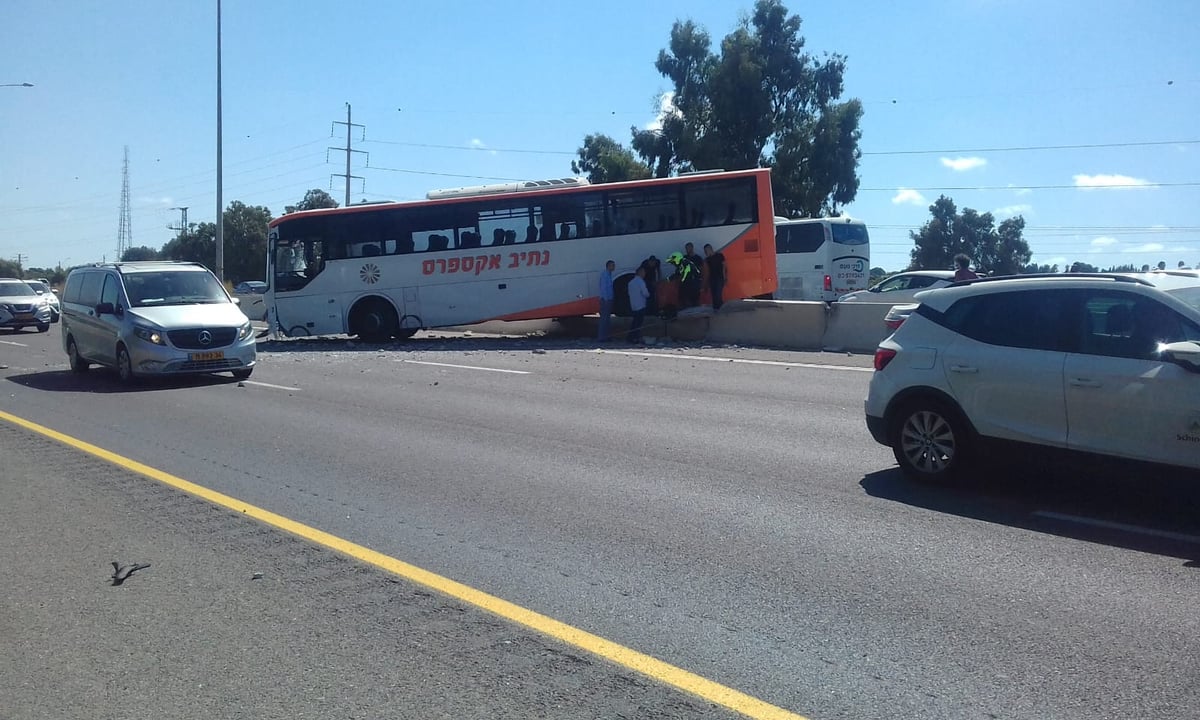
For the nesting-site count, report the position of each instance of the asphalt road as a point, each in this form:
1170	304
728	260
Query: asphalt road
721	509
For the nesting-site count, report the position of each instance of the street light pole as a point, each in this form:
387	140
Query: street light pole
220	201
16	85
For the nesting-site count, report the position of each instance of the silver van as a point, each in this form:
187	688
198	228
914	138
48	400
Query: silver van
154	318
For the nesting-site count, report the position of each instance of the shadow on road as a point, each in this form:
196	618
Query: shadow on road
1134	510
106	381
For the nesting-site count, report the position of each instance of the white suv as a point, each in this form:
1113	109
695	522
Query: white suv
1104	365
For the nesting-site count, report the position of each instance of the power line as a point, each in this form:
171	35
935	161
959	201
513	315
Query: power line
1035	187
439	174
1021	148
1014	148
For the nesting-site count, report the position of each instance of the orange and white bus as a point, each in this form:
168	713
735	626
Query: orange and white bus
516	251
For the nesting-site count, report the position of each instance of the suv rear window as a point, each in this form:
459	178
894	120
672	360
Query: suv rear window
1026	319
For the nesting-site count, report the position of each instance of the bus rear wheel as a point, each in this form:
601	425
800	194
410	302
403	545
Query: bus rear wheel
374	320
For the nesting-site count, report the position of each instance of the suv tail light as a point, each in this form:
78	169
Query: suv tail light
883	356
828	283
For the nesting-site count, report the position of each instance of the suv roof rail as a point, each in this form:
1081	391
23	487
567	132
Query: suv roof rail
1116	277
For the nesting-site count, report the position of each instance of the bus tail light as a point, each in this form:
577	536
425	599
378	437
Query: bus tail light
883	356
828	283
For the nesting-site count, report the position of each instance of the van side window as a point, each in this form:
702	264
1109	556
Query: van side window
89	293
71	291
111	293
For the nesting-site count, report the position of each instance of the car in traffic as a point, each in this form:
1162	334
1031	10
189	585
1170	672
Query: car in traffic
22	307
901	287
1099	365
154	318
41	287
250	287
896	316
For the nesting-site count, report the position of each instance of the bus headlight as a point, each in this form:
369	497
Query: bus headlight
245	331
150	335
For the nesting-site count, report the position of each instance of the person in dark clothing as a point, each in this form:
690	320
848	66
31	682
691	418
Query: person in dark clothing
716	274
653	275
688	274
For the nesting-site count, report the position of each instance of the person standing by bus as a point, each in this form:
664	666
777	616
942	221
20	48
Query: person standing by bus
606	299
716	274
653	276
638	295
962	265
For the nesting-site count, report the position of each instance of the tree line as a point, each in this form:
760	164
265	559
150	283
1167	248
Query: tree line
244	234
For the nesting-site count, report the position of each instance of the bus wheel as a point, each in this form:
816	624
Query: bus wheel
373	320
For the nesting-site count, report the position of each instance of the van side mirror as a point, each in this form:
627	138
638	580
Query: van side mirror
105	308
236	300
1184	354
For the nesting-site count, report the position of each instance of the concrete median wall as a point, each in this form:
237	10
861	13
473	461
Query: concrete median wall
855	326
777	323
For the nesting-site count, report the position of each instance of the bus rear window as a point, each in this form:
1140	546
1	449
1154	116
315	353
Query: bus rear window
849	234
801	238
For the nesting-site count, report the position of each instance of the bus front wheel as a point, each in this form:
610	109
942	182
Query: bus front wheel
373	320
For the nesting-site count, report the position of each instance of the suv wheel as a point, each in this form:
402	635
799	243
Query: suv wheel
125	366
78	364
930	440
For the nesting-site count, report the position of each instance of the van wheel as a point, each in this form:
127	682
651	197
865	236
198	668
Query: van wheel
78	364
125	366
930	441
243	373
43	327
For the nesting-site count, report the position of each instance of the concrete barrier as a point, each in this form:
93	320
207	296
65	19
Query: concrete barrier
792	324
855	326
777	323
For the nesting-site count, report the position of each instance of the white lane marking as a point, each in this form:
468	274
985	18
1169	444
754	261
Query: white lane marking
10	342
467	367
269	385
1108	524
706	358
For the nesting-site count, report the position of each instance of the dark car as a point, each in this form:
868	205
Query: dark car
250	287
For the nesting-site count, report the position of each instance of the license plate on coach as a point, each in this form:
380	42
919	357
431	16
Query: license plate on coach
213	355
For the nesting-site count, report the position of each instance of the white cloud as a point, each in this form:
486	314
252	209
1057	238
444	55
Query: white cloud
481	145
1101	243
908	196
1022	209
666	107
1145	248
1108	181
964	163
1024	191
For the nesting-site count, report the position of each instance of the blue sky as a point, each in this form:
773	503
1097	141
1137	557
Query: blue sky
508	90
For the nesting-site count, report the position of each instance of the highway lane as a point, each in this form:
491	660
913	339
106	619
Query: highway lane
730	517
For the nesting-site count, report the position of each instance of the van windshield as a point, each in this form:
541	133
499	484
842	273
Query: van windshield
173	287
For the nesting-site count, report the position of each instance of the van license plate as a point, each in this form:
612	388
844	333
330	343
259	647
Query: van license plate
214	355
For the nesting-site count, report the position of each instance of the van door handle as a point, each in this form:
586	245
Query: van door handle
1085	383
964	369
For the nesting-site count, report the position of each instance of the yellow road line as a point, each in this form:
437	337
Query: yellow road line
640	662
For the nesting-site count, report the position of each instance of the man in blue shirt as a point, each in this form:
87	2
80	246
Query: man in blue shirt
638	295
606	299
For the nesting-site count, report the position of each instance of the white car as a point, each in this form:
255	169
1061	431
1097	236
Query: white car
42	288
901	287
1103	365
21	306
